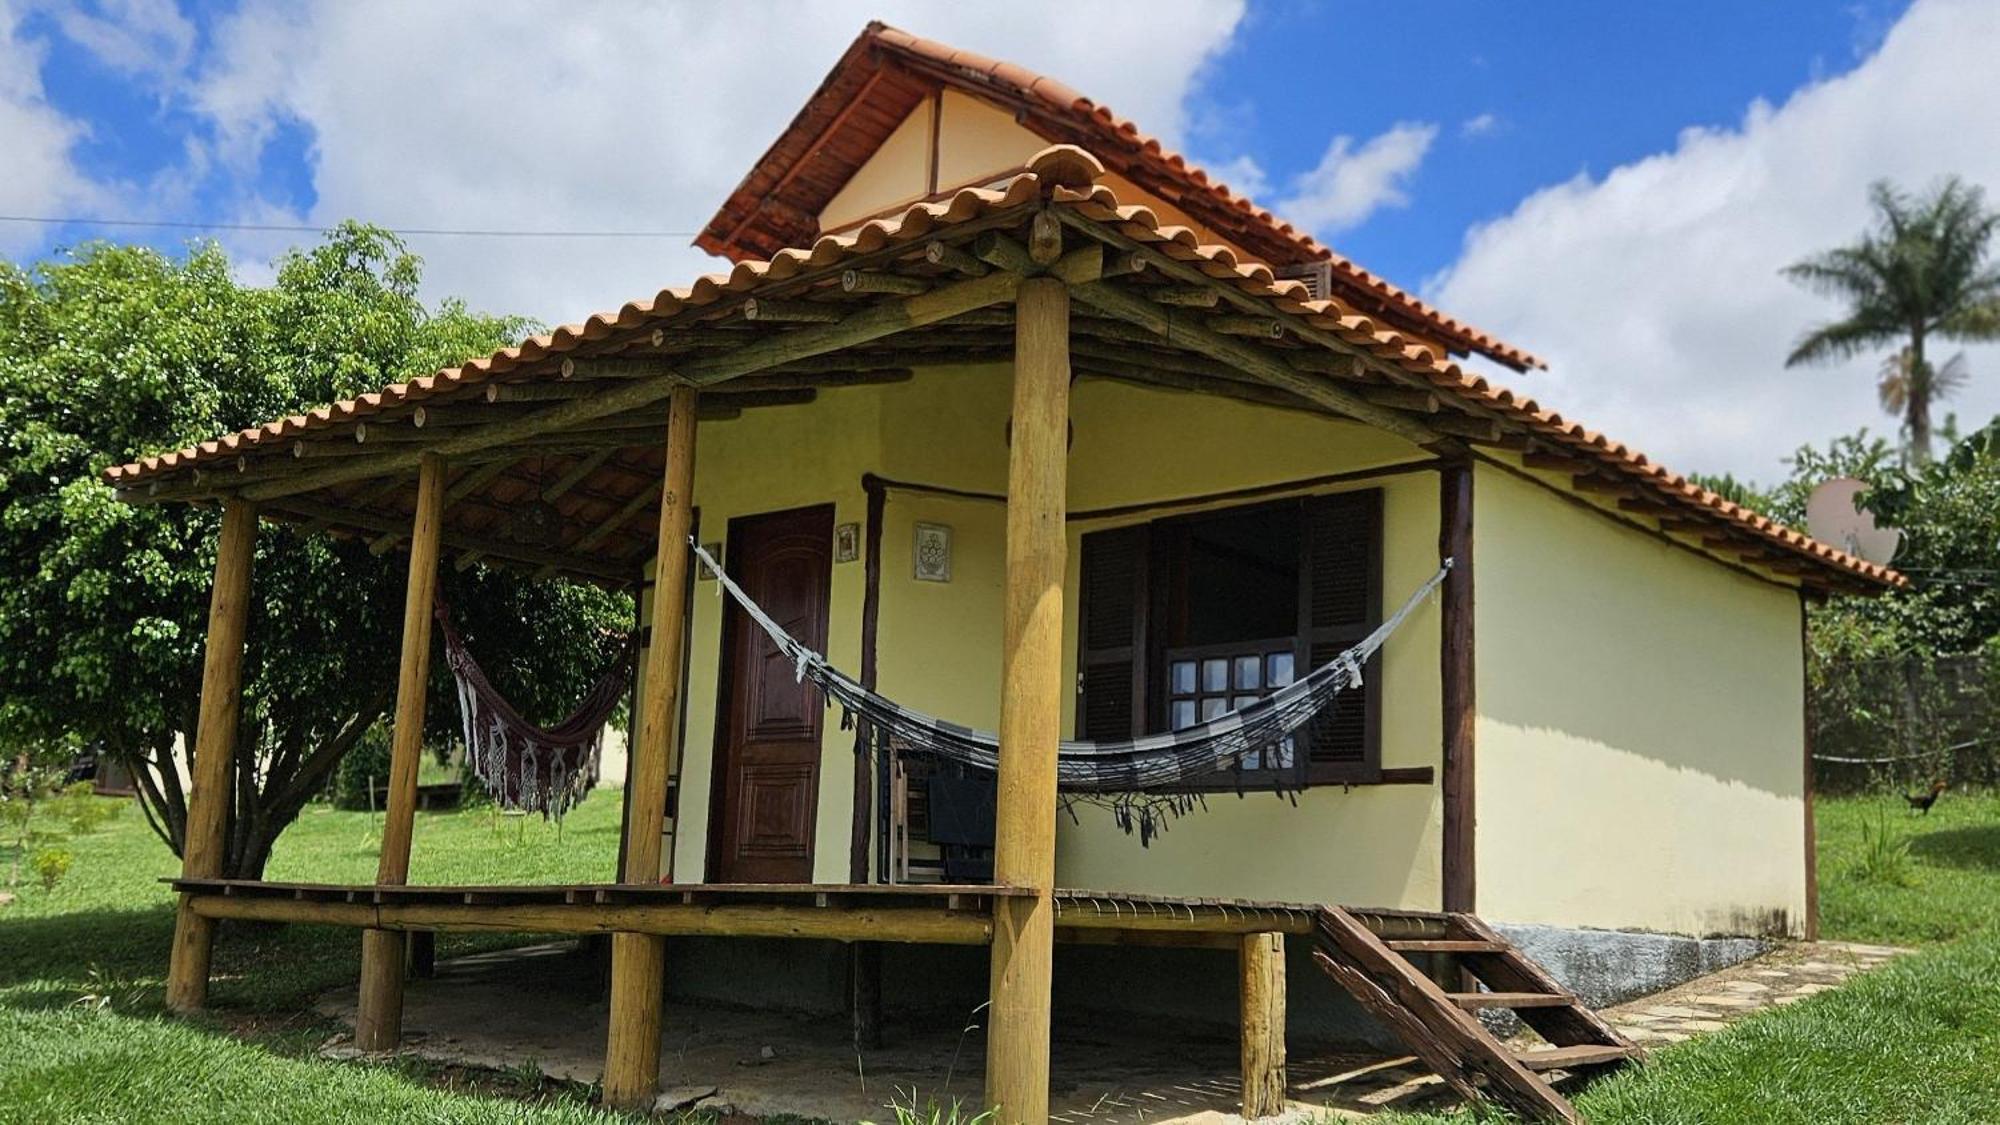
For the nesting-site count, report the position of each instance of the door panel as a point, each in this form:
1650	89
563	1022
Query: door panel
768	745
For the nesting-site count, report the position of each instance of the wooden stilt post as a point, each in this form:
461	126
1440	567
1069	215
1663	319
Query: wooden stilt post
378	1021
1260	964
214	750
1456	674
638	961
1017	1047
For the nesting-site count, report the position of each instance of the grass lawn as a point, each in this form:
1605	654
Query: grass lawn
82	974
1952	885
83	1037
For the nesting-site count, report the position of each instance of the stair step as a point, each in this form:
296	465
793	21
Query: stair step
1472	1000
1455	945
1377	972
1564	1058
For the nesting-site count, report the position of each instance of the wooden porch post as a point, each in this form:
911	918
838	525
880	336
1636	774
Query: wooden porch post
378	1021
1260	966
1017	1051
639	961
1456	674
214	750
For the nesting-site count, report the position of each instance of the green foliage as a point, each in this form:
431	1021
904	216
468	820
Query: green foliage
1736	491
365	767
1951	885
1885	855
38	813
908	1110
112	352
50	865
1921	272
1949	512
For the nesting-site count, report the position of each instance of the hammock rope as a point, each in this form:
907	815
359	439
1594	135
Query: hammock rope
526	767
1143	780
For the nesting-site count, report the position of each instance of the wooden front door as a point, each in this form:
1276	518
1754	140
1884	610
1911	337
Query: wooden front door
766	787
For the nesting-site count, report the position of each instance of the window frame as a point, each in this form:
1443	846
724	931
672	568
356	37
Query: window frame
1152	668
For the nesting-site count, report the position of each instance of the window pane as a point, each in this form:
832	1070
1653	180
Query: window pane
1183	713
1215	675
1248	669
1279	668
1281	755
1241	701
1254	760
1213	707
1182	677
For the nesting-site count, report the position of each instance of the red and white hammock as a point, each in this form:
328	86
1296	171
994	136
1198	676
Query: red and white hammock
526	767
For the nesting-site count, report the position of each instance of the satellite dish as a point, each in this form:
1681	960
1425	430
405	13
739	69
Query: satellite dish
1834	518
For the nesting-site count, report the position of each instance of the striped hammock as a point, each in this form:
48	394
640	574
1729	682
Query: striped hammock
526	767
1142	780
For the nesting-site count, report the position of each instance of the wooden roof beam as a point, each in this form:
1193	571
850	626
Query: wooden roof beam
1128	305
871	322
497	548
1253	305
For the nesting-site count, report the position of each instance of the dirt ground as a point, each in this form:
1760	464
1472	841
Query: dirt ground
545	1005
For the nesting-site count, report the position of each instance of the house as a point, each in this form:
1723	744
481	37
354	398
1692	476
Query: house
1027	423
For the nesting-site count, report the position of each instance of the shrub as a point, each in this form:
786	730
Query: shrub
1885	856
50	865
364	765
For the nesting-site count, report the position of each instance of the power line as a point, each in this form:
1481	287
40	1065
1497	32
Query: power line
288	228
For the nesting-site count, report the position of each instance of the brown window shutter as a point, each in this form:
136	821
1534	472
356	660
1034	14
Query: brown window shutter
1111	634
1340	600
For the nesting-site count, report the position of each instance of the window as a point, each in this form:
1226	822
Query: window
1189	617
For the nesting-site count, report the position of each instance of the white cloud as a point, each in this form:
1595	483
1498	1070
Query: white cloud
604	116
40	179
1353	183
1244	176
1654	291
147	38
1479	125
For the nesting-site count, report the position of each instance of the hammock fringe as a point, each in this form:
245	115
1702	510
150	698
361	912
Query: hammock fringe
526	767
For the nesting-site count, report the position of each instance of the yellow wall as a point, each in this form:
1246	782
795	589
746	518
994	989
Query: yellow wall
939	646
1371	844
898	174
1639	730
978	143
769	460
1640	727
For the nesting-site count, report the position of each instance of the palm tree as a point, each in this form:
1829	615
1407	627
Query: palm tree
1921	273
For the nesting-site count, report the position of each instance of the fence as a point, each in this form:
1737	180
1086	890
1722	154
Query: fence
1905	721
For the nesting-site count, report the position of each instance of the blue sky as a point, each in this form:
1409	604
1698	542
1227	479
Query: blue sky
1613	186
1524	94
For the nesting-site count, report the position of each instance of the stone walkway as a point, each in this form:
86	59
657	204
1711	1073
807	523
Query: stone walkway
1785	975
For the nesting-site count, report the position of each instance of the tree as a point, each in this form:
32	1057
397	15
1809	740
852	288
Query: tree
112	352
1920	273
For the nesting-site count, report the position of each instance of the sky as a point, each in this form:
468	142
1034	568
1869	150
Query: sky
1614	187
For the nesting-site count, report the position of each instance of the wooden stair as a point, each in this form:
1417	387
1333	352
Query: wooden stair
1440	1026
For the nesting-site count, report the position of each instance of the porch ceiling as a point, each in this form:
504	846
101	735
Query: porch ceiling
575	420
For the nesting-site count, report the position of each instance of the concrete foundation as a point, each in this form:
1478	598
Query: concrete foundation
1606	967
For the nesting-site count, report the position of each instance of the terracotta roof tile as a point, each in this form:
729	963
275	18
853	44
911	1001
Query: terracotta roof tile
1156	168
1055	177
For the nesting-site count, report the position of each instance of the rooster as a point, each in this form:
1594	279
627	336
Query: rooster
1922	802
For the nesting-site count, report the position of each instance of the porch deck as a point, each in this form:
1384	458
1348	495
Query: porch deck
951	914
